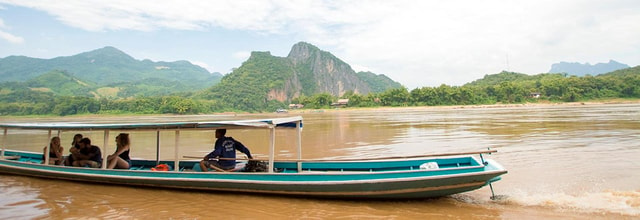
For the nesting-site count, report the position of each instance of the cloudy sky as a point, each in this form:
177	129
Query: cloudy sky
417	43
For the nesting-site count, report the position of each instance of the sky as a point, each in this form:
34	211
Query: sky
417	43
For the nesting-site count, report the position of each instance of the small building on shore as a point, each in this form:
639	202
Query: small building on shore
340	103
296	106
534	95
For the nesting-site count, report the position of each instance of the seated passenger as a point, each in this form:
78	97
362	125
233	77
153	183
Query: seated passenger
225	147
55	152
89	155
120	159
74	150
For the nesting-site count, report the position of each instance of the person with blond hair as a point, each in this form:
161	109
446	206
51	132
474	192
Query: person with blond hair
55	152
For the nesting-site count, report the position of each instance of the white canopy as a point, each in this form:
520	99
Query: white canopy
289	122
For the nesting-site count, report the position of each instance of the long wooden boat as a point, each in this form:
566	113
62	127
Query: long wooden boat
421	176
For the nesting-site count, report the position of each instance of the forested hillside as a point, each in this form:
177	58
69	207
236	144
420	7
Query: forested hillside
108	67
248	86
378	83
61	83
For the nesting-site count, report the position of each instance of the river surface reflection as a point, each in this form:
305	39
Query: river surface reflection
564	161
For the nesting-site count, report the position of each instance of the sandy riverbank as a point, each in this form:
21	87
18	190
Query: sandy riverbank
521	105
351	109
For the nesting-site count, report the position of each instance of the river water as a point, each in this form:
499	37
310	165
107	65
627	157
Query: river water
564	161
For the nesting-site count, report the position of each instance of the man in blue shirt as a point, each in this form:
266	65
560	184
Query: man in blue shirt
225	147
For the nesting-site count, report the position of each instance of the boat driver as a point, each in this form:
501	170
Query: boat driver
225	148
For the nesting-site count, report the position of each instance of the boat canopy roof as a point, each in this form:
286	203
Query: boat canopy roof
288	122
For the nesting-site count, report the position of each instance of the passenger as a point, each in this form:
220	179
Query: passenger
120	159
225	147
89	155
74	150
55	152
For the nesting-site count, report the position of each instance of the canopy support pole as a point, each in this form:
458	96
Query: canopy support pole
104	153
299	130
176	161
157	147
272	146
59	135
47	148
4	143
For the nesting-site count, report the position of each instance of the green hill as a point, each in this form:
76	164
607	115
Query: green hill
378	83
106	66
628	72
61	83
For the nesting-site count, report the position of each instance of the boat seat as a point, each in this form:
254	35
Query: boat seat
13	157
136	168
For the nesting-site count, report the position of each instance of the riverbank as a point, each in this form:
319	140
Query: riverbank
499	105
357	109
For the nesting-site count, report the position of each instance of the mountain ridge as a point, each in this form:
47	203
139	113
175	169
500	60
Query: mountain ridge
579	69
105	66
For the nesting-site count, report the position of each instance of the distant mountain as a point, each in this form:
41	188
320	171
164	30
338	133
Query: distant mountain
306	71
106	66
579	69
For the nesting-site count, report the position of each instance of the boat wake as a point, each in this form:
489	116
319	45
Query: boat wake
626	203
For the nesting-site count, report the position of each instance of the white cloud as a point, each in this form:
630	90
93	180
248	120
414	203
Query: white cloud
202	64
419	43
11	38
359	68
241	55
8	36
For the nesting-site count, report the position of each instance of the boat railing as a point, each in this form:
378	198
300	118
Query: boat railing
177	127
489	151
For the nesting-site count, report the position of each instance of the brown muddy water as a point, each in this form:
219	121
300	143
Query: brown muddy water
564	162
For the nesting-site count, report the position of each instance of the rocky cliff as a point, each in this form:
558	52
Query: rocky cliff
328	73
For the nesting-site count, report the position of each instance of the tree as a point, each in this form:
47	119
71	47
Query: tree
322	100
395	97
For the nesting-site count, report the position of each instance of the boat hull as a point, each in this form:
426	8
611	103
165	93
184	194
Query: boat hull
396	184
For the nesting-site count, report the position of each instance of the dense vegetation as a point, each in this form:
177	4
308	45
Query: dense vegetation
505	87
106	69
246	87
